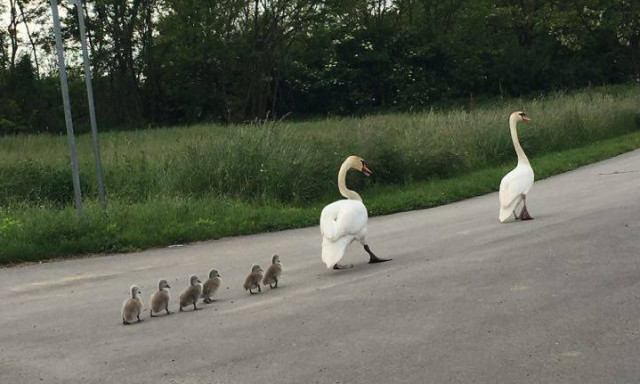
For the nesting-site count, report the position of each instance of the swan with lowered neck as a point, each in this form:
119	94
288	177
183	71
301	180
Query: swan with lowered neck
516	184
344	221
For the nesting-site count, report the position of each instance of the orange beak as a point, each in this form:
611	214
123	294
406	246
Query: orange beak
366	170
526	118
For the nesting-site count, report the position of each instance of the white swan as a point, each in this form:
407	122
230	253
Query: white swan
344	221
516	184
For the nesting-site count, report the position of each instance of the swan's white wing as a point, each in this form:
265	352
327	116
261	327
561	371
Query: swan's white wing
328	224
343	217
333	251
513	186
516	183
340	223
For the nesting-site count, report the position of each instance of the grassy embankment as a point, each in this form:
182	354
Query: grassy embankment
177	185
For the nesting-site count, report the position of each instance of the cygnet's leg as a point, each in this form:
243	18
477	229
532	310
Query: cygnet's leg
259	289
372	257
151	313
125	322
139	319
195	308
166	308
340	266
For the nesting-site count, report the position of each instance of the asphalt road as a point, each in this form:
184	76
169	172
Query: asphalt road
465	300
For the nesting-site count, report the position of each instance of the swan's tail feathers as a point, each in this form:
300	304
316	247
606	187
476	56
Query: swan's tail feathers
328	227
333	251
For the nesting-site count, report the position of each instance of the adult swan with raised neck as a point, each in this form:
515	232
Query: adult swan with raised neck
344	221
516	184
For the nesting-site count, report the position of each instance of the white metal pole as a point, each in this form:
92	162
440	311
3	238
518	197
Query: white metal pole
75	173
92	111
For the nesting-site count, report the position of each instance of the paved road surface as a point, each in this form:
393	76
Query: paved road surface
465	300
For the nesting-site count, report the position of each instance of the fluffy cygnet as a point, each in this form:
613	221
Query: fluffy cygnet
192	293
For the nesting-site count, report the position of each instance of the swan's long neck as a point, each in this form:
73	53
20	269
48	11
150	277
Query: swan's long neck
342	183
522	158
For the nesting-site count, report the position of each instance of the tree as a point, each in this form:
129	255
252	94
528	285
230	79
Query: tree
600	19
183	61
4	51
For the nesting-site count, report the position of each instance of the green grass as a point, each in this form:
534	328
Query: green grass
392	199
296	162
192	183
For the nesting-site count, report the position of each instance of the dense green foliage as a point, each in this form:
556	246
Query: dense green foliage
206	181
165	62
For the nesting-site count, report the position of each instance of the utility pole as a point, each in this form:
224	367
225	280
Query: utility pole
92	109
67	108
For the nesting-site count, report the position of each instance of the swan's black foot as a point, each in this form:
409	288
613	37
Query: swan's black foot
340	266
524	214
372	257
376	259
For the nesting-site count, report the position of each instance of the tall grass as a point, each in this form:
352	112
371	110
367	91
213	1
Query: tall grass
297	162
189	183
